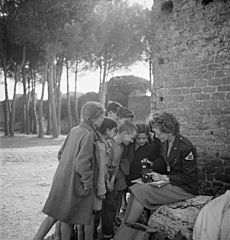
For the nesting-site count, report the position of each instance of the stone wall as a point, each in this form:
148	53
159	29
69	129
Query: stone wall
191	45
140	105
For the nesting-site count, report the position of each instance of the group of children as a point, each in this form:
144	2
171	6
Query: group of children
97	162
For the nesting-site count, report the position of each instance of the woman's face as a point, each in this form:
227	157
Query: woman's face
161	135
99	120
141	139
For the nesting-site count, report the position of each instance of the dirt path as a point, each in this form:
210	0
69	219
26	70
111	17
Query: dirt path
27	168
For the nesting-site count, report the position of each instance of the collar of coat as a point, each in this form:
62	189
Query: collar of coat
90	128
173	151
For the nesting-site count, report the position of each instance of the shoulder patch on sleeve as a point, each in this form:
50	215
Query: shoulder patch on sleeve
189	157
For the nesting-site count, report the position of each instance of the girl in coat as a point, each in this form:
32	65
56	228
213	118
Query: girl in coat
106	133
71	197
143	148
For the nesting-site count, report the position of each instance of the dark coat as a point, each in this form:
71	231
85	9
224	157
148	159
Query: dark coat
180	166
72	192
151	150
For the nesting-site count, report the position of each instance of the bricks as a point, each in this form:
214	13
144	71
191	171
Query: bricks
217	96
202	96
195	90
208	89
224	88
197	69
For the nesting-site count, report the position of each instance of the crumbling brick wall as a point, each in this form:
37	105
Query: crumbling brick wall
191	64
140	105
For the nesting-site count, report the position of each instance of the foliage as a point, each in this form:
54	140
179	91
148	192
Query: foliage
117	33
101	34
90	96
119	88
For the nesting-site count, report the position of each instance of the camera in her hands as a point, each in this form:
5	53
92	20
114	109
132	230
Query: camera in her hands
146	171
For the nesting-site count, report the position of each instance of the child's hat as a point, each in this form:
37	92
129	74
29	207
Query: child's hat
124	112
91	110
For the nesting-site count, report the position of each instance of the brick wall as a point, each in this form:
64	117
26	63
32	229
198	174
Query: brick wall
191	44
140	105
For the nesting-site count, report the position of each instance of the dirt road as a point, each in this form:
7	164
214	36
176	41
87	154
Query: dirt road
27	167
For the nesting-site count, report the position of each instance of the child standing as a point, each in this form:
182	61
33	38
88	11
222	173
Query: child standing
106	132
72	192
126	134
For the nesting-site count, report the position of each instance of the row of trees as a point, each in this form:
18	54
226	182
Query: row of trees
40	39
118	89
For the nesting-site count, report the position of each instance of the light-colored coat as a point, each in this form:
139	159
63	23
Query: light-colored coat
213	221
72	192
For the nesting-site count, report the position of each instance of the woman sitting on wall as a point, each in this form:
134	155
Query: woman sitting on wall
176	165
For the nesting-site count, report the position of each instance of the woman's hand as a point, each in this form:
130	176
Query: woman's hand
163	177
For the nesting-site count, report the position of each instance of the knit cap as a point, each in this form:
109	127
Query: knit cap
91	111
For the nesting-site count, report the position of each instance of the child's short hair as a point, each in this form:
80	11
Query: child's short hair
113	106
128	127
108	123
142	128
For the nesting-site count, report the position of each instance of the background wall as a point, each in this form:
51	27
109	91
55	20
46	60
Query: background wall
191	44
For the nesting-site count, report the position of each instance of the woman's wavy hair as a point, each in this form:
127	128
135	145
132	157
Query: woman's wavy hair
165	122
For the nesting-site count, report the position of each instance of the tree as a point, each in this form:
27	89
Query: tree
118	32
41	23
40	112
119	88
3	41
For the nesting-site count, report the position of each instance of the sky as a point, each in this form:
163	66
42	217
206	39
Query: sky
88	81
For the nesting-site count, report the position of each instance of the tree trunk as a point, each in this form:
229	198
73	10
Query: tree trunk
17	76
28	107
59	68
69	115
102	93
24	101
34	102
6	102
12	113
6	107
49	123
75	95
51	98
40	112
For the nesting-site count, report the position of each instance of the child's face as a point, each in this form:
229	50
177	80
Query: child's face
141	139
127	138
99	121
111	133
